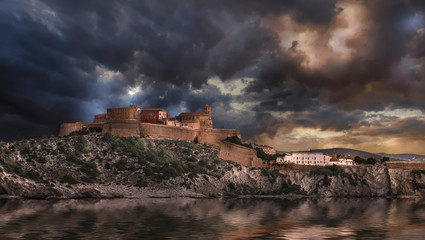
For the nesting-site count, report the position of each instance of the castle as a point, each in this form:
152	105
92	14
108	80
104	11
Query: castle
155	122
190	126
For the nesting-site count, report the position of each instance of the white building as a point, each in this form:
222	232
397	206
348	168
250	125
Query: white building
345	160
315	158
305	158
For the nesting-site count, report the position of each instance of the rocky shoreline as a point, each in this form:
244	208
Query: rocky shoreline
112	167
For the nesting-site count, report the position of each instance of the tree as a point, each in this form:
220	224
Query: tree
371	161
359	160
385	159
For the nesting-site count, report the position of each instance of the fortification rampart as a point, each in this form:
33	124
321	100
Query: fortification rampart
216	136
228	151
209	136
122	127
130	127
67	128
239	154
164	131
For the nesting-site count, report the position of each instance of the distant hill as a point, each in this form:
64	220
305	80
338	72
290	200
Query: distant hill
404	156
366	155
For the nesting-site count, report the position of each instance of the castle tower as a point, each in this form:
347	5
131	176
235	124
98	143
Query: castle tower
207	109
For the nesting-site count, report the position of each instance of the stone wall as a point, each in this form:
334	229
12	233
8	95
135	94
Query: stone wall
210	136
122	128
216	136
228	151
122	113
164	131
67	128
239	154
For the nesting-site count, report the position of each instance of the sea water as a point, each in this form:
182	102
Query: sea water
181	218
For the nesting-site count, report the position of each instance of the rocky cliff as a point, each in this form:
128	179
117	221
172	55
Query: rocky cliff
109	167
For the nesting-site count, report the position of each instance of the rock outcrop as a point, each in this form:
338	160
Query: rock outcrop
114	167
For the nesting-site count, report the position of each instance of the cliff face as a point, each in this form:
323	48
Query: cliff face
109	167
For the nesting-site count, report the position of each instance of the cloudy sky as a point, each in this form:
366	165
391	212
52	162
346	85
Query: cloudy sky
295	74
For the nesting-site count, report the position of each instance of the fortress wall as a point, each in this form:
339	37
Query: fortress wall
94	125
164	131
121	127
216	136
67	128
239	154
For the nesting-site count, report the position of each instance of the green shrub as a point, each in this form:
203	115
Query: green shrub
107	137
81	132
88	180
41	159
326	181
203	163
187	151
81	144
360	160
217	160
141	183
121	165
195	169
62	149
73	157
69	179
418	172
25	151
95	129
90	169
231	186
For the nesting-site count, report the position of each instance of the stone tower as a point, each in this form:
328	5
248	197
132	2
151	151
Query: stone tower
207	109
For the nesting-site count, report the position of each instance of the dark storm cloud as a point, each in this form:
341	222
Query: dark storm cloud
347	83
62	61
334	119
52	49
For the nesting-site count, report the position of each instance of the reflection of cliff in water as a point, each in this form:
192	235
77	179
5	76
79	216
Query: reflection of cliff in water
212	218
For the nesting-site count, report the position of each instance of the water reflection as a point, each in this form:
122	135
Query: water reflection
213	219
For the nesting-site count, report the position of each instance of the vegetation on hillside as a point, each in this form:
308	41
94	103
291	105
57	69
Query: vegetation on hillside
102	159
360	160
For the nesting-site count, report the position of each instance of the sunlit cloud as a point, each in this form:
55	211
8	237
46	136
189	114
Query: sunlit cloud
325	45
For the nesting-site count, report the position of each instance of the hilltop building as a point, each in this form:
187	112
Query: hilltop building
155	122
194	120
99	118
315	158
124	113
154	115
266	149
